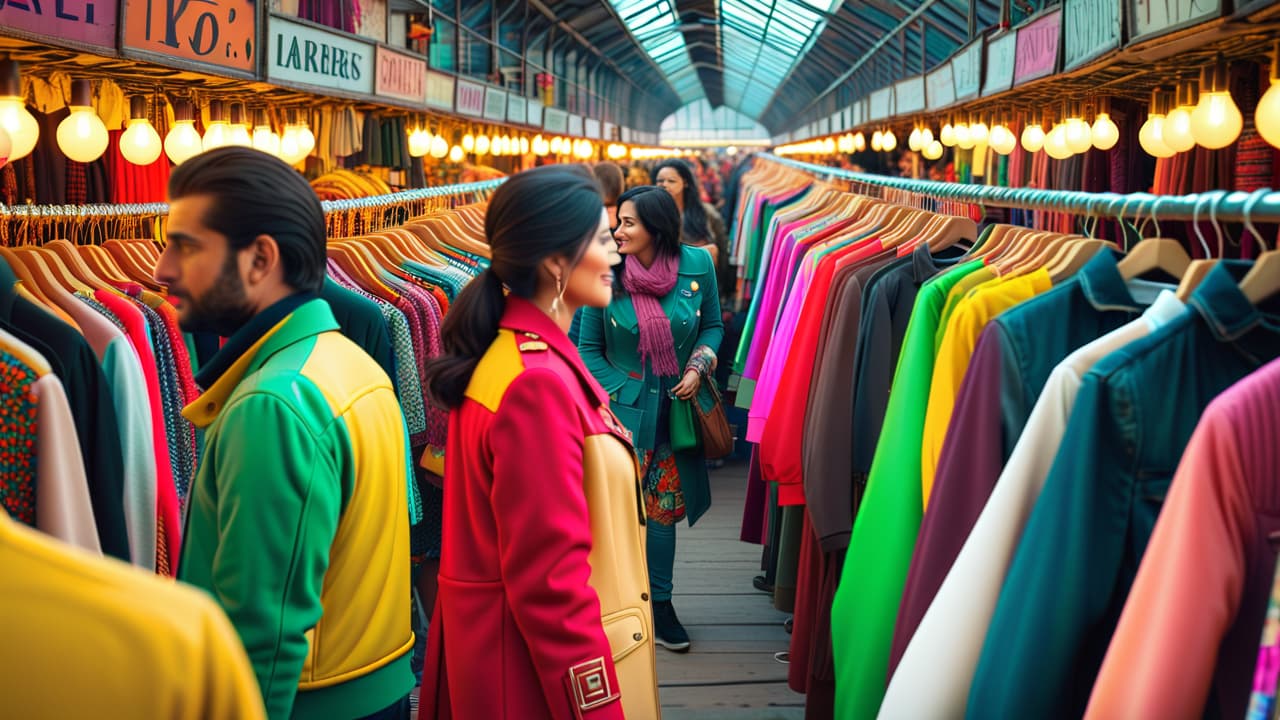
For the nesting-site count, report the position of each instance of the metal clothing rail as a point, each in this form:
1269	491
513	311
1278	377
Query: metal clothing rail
1218	205
137	210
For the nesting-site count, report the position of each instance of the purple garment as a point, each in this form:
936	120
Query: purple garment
755	511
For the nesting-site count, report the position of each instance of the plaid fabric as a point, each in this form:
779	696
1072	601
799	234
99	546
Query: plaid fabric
77	183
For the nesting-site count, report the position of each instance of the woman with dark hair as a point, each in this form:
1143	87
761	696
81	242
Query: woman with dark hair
656	342
702	225
609	175
542	579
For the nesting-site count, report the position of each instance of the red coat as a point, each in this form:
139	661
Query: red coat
543	607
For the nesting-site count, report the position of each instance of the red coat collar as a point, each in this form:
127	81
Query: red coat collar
525	317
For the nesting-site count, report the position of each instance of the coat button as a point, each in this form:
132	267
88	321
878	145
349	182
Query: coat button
644	596
637	637
694	286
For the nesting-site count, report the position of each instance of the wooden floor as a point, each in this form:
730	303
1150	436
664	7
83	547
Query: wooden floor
731	672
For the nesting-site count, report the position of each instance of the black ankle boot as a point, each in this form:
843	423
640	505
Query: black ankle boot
667	630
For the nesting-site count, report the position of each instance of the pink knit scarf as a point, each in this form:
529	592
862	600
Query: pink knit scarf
646	286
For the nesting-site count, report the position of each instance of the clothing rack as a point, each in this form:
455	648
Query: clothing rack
1218	206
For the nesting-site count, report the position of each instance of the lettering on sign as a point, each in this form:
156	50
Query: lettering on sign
469	98
1038	44
940	90
881	105
214	32
440	90
1149	18
966	70
495	104
555	120
83	22
1001	54
311	56
535	113
591	128
909	95
1091	28
575	126
517	109
401	76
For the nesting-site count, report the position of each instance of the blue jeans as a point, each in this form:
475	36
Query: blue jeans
661	549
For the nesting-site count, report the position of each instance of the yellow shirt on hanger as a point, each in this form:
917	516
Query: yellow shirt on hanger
963	289
971	315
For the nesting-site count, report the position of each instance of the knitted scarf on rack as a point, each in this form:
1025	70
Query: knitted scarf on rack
646	286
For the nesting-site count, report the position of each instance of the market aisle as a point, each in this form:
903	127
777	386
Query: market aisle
730	673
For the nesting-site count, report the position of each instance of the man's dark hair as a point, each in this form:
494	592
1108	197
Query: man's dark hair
253	193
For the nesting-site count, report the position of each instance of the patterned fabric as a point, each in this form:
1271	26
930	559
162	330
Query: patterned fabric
178	430
17	439
1266	676
77	183
663	499
163	567
102	310
701	360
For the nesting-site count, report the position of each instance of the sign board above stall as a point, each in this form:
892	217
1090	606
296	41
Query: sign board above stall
940	89
75	23
517	109
1039	43
966	70
1152	18
217	34
305	54
909	95
1002	53
1090	29
440	90
495	104
881	104
535	113
555	120
400	76
591	128
469	98
575	125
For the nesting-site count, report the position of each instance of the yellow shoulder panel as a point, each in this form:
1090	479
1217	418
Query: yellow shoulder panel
496	371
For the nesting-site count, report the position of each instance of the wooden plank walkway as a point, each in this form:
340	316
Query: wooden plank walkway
730	673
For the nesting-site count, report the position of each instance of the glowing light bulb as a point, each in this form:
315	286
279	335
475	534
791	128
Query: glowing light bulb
5	146
482	145
859	142
439	147
1055	143
926	137
557	145
964	138
1267	118
468	142
877	141
456	154
22	127
81	135
1002	140
1033	138
1151	137
933	150
1104	132
419	142
216	135
948	135
524	146
1079	135
1216	122
140	143
266	140
291	146
913	140
307	139
979	133
183	142
889	141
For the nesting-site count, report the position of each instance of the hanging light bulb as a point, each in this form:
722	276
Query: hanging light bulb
218	132
456	154
239	127
1002	139
291	148
1267	117
21	126
1216	122
877	141
307	139
183	142
1079	134
1177	133
524	146
948	135
889	141
264	138
140	143
541	146
926	137
557	144
5	146
1055	143
1151	134
1033	137
1104	132
933	150
859	142
81	135
468	143
482	144
439	147
913	140
964	139
979	133
419	142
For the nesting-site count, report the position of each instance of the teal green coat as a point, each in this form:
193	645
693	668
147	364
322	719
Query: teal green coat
609	344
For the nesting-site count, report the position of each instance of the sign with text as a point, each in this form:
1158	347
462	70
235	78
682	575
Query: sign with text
966	70
535	113
220	33
1038	44
940	89
909	95
400	76
555	120
1001	54
625	134
1091	29
517	109
440	90
307	55
858	113
591	128
1150	18
469	98
881	104
495	104
610	132
575	125
79	22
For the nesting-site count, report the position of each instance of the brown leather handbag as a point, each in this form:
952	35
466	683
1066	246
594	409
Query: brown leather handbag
717	436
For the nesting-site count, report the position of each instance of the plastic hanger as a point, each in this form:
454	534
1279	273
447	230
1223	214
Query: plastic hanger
1156	254
1263	279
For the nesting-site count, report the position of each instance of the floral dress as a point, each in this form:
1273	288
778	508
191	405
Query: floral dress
663	500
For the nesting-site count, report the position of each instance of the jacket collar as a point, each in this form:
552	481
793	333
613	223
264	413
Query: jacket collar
1224	307
304	319
1104	286
8	289
924	264
247	337
525	317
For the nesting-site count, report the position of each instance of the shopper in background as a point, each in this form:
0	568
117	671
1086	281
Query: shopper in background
637	176
542	563
654	342
299	520
701	224
609	175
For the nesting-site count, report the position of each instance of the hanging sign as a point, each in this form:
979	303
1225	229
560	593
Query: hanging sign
966	70
1001	54
591	128
1150	18
846	122
881	105
469	98
535	113
909	95
495	104
626	135
555	120
218	33
64	22
1038	44
308	55
575	125
822	127
610	132
400	76
940	89
440	90
858	113
517	109
1091	29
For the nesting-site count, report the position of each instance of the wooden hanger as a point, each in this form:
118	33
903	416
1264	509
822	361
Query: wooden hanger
1074	256
131	264
1263	279
102	263
43	262
361	269
1191	279
1028	247
75	263
1155	255
25	276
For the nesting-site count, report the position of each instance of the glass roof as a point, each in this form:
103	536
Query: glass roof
761	41
698	122
656	27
